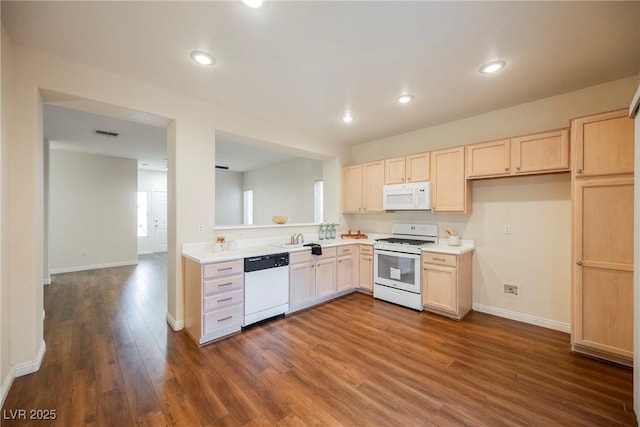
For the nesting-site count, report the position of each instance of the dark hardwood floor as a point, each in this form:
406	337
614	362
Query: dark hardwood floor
112	360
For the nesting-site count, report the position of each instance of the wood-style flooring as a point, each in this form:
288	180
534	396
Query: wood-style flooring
112	360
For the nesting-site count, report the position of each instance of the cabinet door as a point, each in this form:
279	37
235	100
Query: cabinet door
440	289
394	172
603	144
365	267
352	188
346	276
373	184
541	152
488	159
325	277
449	185
603	269
302	289
417	167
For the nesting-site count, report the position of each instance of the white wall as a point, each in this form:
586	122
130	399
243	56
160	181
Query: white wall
228	197
92	211
537	253
150	181
284	189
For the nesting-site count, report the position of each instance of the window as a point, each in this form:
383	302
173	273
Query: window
318	204
247	207
142	214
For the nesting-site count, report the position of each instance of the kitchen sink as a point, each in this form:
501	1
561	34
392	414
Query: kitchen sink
287	245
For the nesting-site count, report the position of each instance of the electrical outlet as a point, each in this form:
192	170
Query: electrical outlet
511	289
507	229
201	228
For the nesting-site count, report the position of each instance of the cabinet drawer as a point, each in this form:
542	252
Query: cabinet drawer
298	257
223	268
224	318
215	302
328	253
223	284
366	249
345	250
439	259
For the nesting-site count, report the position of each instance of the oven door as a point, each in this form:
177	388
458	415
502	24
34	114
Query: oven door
397	270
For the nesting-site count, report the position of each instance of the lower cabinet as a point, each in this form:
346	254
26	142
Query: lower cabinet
346	267
214	299
365	267
312	278
446	283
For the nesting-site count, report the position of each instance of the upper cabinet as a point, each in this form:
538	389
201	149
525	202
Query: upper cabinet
603	144
362	187
449	188
488	159
400	170
524	155
540	153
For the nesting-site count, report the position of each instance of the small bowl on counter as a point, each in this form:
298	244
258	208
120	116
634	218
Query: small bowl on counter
280	219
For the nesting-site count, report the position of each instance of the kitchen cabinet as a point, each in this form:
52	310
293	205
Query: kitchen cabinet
537	153
365	267
488	159
603	233
450	191
446	283
603	144
214	304
346	267
362	187
312	278
413	168
540	153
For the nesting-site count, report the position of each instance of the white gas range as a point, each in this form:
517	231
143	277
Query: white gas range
397	264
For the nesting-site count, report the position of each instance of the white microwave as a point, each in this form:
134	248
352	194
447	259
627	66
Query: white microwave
414	196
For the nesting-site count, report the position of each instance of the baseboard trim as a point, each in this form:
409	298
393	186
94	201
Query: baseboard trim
176	325
525	318
145	253
47	280
33	365
7	382
92	267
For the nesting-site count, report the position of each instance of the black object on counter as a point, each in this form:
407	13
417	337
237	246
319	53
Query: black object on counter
316	249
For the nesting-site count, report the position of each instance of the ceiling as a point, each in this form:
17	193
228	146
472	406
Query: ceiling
308	63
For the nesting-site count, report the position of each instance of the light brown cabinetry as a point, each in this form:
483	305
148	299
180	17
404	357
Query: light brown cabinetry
365	267
214	299
524	155
362	187
400	170
603	205
312	278
346	267
446	284
449	190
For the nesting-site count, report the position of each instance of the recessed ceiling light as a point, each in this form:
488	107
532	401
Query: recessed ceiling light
253	3
492	67
405	99
202	58
347	118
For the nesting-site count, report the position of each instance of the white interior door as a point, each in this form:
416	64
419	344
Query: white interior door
159	221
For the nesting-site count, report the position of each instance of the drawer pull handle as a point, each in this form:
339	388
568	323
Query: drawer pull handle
225	284
579	171
225	299
579	262
439	259
225	318
225	269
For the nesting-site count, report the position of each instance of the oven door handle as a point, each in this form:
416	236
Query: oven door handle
396	254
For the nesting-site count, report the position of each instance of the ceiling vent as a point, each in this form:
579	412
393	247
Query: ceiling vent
105	133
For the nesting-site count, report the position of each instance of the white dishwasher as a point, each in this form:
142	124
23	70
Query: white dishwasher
266	287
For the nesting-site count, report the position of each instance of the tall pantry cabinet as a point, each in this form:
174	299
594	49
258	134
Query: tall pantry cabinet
602	275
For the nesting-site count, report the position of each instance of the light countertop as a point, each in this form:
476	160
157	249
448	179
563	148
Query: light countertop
204	253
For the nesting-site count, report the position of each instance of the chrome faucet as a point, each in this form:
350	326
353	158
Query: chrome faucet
297	239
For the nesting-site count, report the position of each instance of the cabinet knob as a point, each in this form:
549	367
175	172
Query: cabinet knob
506	169
579	171
579	262
517	167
